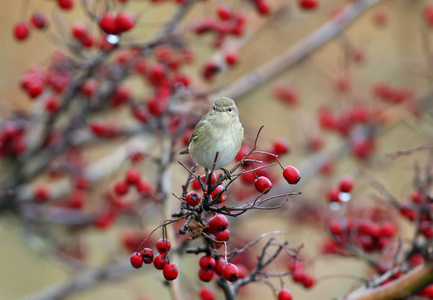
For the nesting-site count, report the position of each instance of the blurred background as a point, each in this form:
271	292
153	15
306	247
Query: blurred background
395	50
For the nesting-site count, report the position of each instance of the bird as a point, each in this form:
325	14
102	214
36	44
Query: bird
219	131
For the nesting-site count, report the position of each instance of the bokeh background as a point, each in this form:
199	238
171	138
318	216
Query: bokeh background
395	53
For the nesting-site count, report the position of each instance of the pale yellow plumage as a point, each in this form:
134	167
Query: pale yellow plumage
220	130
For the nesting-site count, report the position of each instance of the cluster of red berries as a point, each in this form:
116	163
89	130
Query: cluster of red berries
341	192
418	211
300	274
116	24
209	266
12	138
160	261
364	233
21	30
132	178
227	23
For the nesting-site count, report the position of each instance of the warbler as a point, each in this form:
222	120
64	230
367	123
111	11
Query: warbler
219	131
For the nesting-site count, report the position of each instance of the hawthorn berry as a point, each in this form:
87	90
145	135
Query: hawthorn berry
285	294
291	174
133	176
286	94
281	146
334	194
21	30
147	255
193	198
124	22
207	262
65	4
387	229
206	293
263	184
223	235
215	193
346	184
309	281
308	4
136	260
416	196
231	58
205	275
163	245
108	23
160	261
230	272
219	265
217	223
41	193
121	188
170	272
39	20
224	12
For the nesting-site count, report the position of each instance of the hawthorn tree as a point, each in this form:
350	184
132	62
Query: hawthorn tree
94	152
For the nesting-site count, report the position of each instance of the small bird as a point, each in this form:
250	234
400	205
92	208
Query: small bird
219	131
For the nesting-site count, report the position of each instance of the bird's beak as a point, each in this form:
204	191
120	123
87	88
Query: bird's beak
220	109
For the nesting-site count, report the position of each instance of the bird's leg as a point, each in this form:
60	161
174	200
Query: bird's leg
227	174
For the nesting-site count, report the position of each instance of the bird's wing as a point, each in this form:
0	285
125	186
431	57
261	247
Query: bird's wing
198	128
196	134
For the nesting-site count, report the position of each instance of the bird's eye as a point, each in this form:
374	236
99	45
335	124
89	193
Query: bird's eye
230	109
213	107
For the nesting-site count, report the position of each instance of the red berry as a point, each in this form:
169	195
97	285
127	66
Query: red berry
65	4
52	104
124	22
308	4
230	272
223	235
163	245
242	152
136	260
207	262
205	274
287	94
428	15
346	184
79	31
39	20
334	194
170	272
219	265
285	295
336	227
298	275
206	293
21	30
217	223
108	23
215	193
263	184
231	58
291	174
281	146
121	188
309	281
387	229
147	255
416	196
133	176
193	198
41	193
160	261
224	12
